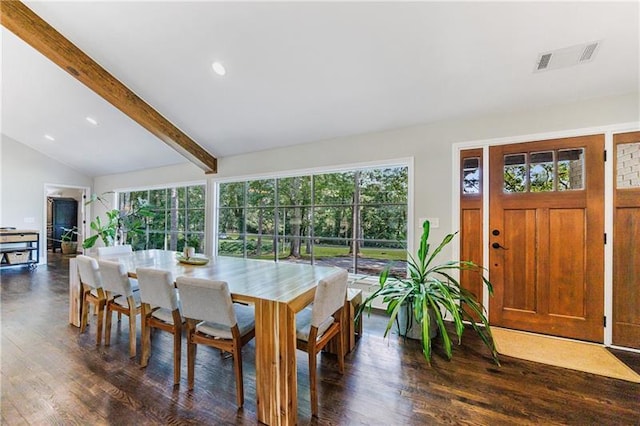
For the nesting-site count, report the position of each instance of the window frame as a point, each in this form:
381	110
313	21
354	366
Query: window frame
168	186
407	162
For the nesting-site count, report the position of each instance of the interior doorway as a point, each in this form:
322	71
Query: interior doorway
64	208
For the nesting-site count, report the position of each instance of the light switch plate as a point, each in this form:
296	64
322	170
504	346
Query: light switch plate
29	220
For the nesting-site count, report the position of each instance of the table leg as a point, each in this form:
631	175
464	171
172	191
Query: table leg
276	382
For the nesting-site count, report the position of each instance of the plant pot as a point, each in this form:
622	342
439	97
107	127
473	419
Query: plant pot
69	247
409	327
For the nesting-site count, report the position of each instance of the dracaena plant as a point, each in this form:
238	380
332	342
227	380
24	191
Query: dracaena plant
432	292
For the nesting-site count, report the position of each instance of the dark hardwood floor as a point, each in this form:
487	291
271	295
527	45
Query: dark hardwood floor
52	374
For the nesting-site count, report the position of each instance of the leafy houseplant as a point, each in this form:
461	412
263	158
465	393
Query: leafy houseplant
431	292
67	245
119	224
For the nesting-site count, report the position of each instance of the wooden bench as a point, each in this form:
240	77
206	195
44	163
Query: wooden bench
352	330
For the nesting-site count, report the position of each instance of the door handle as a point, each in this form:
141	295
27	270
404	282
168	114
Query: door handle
498	246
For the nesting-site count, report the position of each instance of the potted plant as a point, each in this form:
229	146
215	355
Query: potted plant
431	293
67	243
119	224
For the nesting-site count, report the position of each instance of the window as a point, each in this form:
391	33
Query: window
471	175
546	171
354	219
176	217
628	165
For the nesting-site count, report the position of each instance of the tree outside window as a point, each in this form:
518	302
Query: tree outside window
354	219
177	219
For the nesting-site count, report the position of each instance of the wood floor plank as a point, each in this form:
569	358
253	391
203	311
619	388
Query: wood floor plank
52	374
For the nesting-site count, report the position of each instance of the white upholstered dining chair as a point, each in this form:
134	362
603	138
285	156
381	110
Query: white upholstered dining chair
91	293
120	298
161	310
318	324
214	320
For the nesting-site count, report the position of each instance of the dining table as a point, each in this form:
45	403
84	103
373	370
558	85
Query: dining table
277	290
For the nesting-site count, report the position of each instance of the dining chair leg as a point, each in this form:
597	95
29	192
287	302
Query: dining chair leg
340	337
85	312
132	326
312	380
100	308
191	354
237	361
107	324
145	333
177	346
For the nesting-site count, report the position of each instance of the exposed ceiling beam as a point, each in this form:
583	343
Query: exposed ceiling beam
24	23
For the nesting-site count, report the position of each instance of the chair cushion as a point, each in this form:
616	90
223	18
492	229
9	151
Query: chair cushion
246	322
303	324
122	301
164	315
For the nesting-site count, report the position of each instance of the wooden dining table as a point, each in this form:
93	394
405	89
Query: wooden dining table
278	290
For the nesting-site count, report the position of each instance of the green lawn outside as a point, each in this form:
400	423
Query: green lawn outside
324	251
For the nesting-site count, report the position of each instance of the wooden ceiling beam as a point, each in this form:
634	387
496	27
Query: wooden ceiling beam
23	22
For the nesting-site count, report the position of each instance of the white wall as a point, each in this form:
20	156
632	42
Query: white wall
24	173
429	144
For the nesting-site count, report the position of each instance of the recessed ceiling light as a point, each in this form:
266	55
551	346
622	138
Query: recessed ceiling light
49	137
218	68
92	120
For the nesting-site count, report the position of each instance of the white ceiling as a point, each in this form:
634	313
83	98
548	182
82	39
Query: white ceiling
302	72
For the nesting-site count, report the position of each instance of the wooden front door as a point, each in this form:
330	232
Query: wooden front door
546	237
626	246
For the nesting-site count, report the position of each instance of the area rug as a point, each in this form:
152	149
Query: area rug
581	356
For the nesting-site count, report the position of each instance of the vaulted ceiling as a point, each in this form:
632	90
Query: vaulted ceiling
302	72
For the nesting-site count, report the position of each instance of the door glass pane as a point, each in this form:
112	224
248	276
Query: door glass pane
628	168
471	175
541	173
570	169
515	176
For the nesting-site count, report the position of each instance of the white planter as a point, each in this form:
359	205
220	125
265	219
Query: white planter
410	328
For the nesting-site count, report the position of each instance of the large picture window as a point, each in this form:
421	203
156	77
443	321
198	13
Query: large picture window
354	219
177	217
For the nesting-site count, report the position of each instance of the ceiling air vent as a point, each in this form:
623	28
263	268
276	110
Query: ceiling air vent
566	57
544	61
588	52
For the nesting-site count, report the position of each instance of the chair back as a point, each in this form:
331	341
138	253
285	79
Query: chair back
331	294
156	288
113	250
206	300
89	271
115	278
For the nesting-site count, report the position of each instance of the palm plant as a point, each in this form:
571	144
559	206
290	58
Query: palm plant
431	292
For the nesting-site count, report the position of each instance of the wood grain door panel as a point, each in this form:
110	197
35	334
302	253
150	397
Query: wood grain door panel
546	248
626	248
471	221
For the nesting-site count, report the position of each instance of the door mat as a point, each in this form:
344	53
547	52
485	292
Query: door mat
559	352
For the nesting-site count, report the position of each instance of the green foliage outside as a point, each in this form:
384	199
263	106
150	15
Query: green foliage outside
314	215
174	217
